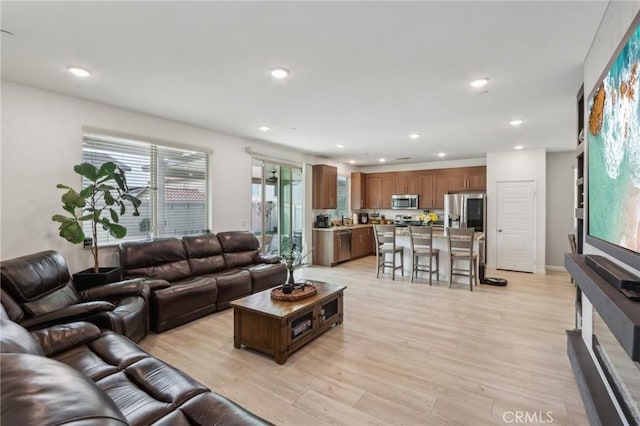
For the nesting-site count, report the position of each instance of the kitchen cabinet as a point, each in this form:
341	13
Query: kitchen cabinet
466	179
361	242
456	180
358	191
426	194
325	187
430	185
440	188
406	183
477	178
378	191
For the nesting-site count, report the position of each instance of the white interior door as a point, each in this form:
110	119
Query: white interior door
516	226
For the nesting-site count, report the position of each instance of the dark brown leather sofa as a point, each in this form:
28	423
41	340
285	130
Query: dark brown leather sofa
197	275
37	291
75	374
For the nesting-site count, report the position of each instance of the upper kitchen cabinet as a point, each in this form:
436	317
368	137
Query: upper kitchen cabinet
465	179
406	183
325	187
477	178
358	191
378	191
426	194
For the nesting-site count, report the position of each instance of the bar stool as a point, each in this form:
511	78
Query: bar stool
461	250
422	246
385	236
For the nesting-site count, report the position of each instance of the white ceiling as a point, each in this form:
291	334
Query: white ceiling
365	74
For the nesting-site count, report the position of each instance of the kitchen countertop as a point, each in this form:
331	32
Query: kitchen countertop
342	228
400	232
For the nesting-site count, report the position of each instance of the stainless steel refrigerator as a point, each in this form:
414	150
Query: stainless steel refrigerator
465	210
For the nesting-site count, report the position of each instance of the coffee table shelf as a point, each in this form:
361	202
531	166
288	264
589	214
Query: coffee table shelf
279	328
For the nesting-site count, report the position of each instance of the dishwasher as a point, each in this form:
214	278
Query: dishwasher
344	245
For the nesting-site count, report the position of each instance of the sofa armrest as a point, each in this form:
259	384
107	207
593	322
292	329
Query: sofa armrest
59	338
267	258
70	313
157	284
120	289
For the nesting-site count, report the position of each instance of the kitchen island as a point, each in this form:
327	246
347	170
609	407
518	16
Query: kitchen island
439	242
330	247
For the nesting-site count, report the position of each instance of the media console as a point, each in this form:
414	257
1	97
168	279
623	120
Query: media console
618	277
620	316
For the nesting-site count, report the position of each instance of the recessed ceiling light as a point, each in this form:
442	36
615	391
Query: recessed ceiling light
414	135
518	147
516	122
441	154
382	160
264	128
340	145
279	72
79	72
352	161
481	82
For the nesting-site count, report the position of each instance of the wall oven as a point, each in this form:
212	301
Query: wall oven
404	202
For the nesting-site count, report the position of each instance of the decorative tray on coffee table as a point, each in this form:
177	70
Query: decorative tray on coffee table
300	291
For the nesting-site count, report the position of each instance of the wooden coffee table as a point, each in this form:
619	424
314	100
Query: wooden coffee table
278	328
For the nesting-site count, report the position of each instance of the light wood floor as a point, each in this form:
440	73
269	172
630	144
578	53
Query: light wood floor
406	354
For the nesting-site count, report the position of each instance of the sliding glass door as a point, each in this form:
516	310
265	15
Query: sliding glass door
277	199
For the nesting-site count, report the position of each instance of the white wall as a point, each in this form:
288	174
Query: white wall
560	210
517	166
42	140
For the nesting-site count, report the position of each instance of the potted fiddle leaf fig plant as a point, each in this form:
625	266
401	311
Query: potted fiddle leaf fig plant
101	202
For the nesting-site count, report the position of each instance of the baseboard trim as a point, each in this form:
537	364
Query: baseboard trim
555	268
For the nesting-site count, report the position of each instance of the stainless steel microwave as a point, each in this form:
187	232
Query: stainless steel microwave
404	202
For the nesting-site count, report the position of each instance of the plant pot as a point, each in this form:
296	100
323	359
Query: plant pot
86	279
287	288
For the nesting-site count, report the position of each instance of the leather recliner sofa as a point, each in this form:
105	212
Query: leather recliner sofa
75	374
37	291
197	275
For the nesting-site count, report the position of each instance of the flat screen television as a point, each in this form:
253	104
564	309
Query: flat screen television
613	154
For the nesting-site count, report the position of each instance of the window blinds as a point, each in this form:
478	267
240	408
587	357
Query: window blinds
173	185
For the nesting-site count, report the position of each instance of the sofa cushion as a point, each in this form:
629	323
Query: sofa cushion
240	248
205	253
232	284
184	301
38	390
164	258
11	308
62	337
267	275
38	282
29	277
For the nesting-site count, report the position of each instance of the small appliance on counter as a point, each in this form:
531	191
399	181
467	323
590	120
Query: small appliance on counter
322	221
374	218
363	218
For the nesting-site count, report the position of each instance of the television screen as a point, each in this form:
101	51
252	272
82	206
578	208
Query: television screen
614	150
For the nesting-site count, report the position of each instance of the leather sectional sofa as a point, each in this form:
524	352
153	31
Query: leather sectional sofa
75	374
37	291
197	275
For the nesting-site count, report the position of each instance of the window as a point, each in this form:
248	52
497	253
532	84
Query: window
173	185
342	197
